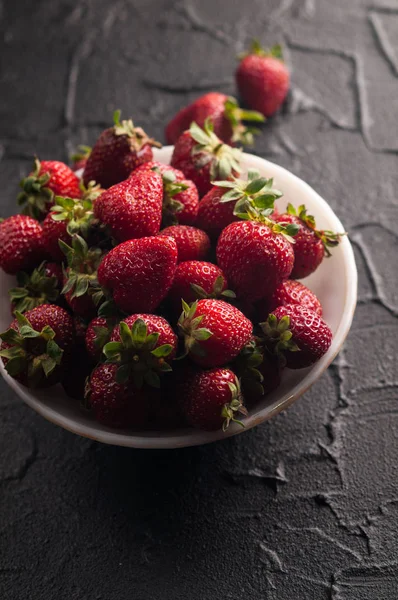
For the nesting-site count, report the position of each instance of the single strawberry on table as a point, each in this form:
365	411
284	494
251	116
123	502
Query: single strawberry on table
117	152
48	179
214	332
21	244
133	208
226	115
192	243
203	158
263	79
42	286
38	345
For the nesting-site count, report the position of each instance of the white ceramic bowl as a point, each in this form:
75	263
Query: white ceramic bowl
335	284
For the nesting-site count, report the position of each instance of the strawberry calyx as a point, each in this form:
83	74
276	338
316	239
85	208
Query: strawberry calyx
82	153
136	135
246	364
235	116
81	274
171	187
33	351
234	406
35	196
257	50
33	289
189	328
78	213
329	239
91	191
278	337
223	159
103	333
138	358
217	291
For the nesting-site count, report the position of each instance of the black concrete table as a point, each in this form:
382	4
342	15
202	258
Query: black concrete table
306	506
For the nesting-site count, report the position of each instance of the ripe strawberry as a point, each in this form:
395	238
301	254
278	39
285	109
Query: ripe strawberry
196	279
116	404
49	178
42	286
214	215
311	245
98	333
289	291
37	345
80	157
192	243
297	335
21	244
214	332
263	79
225	114
133	208
180	196
258	370
211	399
139	273
203	158
117	152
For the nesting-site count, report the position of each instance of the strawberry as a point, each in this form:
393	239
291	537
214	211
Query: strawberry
117	152
49	178
37	345
289	291
192	243
180	196
80	157
202	157
263	79
214	332
258	370
214	215
211	399
21	244
115	404
196	279
143	347
296	334
133	208
42	286
225	114
311	245
98	333
139	273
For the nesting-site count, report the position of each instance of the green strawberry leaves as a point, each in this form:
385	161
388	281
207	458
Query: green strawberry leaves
235	116
217	291
136	136
234	407
189	328
35	196
33	290
78	214
81	274
278	337
256	49
329	239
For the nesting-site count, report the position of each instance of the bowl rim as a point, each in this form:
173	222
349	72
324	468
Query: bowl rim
192	437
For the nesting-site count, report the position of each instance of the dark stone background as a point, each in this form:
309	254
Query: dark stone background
305	506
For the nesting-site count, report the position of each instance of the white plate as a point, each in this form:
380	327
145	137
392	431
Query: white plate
335	284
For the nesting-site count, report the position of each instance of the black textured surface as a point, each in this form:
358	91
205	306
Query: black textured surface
306	506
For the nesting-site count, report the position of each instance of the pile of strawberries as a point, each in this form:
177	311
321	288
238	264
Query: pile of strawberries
157	295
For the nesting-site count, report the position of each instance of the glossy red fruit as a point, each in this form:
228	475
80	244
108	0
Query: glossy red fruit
21	244
117	152
289	291
48	179
53	231
211	399
42	286
203	158
213	215
224	113
310	334
98	333
258	370
263	79
192	243
254	258
115	404
133	208
196	279
154	324
214	332
38	345
139	273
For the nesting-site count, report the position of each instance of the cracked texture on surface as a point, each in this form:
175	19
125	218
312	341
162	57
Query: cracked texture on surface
306	505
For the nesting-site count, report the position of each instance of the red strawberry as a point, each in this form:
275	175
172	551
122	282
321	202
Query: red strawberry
192	243
49	178
139	273
225	114
258	370
214	331
117	152
263	79
21	244
211	399
289	291
297	334
203	158
196	279
42	286
37	345
213	215
116	404
80	157
98	334
311	244
133	208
